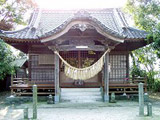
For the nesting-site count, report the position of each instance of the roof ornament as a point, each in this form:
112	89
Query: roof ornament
77	26
37	20
82	27
82	14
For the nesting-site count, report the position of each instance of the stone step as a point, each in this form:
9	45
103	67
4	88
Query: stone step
80	89
82	95
80	101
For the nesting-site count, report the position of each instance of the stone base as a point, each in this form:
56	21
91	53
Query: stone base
106	98
56	99
50	99
113	98
146	97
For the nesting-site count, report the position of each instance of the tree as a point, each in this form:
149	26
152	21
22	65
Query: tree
146	17
13	11
6	57
144	64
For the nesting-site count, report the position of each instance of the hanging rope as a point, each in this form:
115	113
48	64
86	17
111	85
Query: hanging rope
83	73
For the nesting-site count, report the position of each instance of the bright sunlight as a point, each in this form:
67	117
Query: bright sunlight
80	4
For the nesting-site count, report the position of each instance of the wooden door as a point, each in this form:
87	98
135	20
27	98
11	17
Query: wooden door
79	59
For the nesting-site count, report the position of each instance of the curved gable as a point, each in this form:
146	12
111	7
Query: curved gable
50	24
83	21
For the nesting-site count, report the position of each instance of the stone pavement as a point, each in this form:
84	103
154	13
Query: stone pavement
122	110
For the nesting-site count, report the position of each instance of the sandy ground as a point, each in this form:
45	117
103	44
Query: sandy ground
122	110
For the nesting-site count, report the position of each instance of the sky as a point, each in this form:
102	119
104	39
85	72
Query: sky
79	4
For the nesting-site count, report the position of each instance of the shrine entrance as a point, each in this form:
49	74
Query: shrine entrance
80	59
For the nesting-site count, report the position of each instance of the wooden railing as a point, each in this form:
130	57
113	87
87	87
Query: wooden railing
126	85
18	81
131	80
23	86
136	80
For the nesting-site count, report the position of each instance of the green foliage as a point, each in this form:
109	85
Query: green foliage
137	71
156	86
145	13
5	60
13	12
146	17
144	62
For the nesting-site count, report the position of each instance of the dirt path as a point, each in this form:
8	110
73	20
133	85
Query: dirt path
122	110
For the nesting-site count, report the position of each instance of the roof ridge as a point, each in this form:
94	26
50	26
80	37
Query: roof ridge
34	16
121	14
3	31
94	9
37	19
117	19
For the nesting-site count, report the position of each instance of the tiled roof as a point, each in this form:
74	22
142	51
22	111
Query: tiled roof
19	62
45	23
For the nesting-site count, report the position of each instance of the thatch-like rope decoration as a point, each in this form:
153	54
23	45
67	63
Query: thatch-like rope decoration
83	73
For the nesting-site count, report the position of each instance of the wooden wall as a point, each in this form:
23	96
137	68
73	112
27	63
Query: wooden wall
43	72
41	64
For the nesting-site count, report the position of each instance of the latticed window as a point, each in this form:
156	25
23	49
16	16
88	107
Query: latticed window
40	72
118	68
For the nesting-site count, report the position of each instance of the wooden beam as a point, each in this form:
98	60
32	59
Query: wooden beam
106	78
11	84
78	40
57	90
82	39
119	52
73	48
68	37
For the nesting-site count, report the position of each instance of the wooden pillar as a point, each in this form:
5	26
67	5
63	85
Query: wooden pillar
12	84
106	78
56	83
79	60
127	65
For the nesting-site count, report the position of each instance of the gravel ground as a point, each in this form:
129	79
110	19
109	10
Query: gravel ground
122	110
